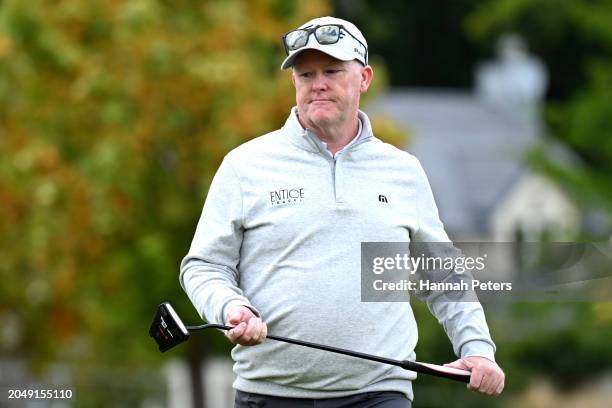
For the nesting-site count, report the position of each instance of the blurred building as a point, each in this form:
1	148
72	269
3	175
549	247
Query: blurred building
472	145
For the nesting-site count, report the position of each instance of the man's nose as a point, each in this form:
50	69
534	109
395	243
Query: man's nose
319	82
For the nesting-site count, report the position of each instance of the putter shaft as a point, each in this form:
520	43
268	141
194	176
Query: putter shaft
431	369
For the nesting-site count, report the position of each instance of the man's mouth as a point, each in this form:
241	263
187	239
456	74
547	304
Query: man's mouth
321	101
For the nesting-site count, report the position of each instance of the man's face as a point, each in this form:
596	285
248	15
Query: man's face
327	90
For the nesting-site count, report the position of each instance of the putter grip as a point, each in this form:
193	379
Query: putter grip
438	371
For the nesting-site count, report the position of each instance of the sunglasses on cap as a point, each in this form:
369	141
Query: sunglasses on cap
325	34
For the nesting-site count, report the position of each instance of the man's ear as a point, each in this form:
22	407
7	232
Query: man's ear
367	73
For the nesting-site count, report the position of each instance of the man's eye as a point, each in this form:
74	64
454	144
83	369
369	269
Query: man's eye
332	71
306	74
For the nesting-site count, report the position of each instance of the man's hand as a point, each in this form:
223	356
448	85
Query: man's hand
487	377
248	330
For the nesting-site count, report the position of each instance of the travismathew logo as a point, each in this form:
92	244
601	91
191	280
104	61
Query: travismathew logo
287	196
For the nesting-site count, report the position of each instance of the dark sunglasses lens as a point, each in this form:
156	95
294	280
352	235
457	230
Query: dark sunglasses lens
296	39
328	34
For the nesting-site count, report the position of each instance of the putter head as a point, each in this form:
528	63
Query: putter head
167	328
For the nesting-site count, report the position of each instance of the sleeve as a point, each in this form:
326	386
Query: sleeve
209	272
463	321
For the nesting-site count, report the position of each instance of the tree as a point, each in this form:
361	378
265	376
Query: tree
113	118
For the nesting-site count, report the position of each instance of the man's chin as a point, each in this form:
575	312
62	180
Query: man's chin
323	119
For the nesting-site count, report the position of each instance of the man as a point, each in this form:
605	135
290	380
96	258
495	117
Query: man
278	244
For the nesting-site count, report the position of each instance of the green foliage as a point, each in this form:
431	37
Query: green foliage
113	118
569	343
584	125
555	31
546	17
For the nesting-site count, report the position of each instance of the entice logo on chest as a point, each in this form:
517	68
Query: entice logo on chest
287	196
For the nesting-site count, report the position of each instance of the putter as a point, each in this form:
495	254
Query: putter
168	331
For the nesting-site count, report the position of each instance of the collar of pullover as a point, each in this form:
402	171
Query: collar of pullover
307	140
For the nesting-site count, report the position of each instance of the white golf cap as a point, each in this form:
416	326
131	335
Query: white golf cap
349	47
